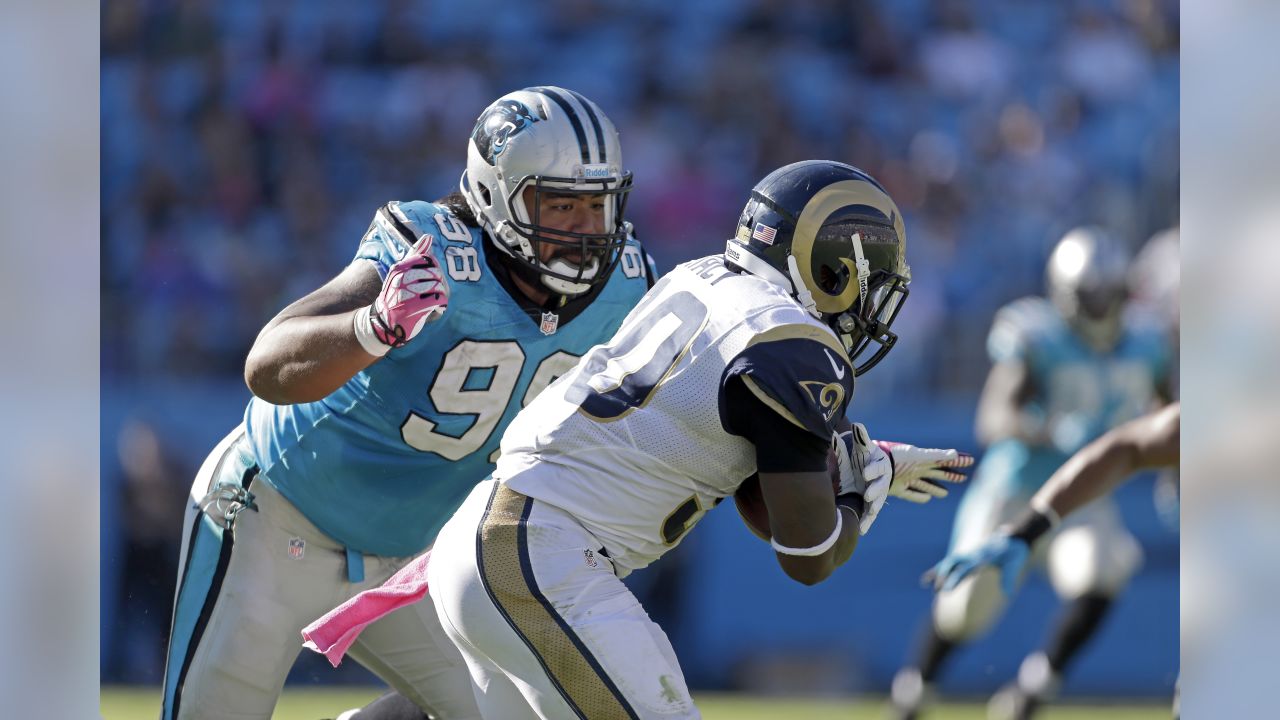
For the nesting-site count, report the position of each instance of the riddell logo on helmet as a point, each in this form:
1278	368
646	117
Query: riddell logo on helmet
594	171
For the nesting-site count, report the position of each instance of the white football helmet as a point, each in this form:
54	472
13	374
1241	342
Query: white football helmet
1087	281
1154	277
556	141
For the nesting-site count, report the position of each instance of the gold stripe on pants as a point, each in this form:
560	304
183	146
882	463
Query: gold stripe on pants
508	577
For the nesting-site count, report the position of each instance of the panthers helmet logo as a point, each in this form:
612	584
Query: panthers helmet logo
498	124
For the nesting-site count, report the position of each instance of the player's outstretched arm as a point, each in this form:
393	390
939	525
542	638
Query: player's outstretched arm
1150	441
319	342
1147	442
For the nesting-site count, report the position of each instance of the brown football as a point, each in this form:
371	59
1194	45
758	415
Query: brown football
751	507
750	500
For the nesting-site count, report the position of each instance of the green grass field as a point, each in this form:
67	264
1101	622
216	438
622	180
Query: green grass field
119	703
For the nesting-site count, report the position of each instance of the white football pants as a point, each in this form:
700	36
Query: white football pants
245	594
548	631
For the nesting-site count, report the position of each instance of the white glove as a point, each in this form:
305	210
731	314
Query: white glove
918	473
865	470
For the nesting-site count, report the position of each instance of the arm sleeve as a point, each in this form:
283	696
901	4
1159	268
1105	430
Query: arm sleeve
799	373
781	445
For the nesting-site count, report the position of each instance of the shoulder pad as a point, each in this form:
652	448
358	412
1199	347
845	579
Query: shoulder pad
398	225
1145	320
801	372
1022	325
634	262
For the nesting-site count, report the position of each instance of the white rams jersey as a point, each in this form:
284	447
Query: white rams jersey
632	442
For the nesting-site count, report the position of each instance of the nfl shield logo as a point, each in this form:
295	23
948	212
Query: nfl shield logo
297	548
549	323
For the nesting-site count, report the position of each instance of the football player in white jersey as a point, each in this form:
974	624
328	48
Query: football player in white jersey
734	366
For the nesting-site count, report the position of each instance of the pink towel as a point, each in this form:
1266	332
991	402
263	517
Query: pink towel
334	633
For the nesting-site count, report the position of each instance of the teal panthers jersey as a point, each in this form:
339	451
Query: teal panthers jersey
1080	392
382	462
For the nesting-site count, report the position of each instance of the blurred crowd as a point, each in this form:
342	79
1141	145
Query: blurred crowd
247	143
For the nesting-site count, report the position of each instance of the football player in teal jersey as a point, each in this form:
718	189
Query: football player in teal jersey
1066	368
380	399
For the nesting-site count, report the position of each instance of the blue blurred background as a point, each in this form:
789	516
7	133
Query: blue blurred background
247	143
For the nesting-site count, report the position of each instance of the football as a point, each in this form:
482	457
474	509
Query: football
749	500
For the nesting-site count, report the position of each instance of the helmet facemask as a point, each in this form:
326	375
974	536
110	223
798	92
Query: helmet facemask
881	293
868	321
600	252
1095	313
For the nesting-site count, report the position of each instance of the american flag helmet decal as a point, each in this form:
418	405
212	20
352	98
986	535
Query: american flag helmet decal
764	233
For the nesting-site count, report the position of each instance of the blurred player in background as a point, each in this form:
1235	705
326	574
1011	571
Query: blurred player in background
735	366
1066	369
379	401
1151	441
1155	282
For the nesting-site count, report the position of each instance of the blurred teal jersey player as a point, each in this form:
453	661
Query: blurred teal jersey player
380	399
1066	369
1075	390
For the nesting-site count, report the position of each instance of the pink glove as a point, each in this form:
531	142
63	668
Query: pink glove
917	471
414	294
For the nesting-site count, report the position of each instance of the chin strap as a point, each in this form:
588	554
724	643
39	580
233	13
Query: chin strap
802	293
